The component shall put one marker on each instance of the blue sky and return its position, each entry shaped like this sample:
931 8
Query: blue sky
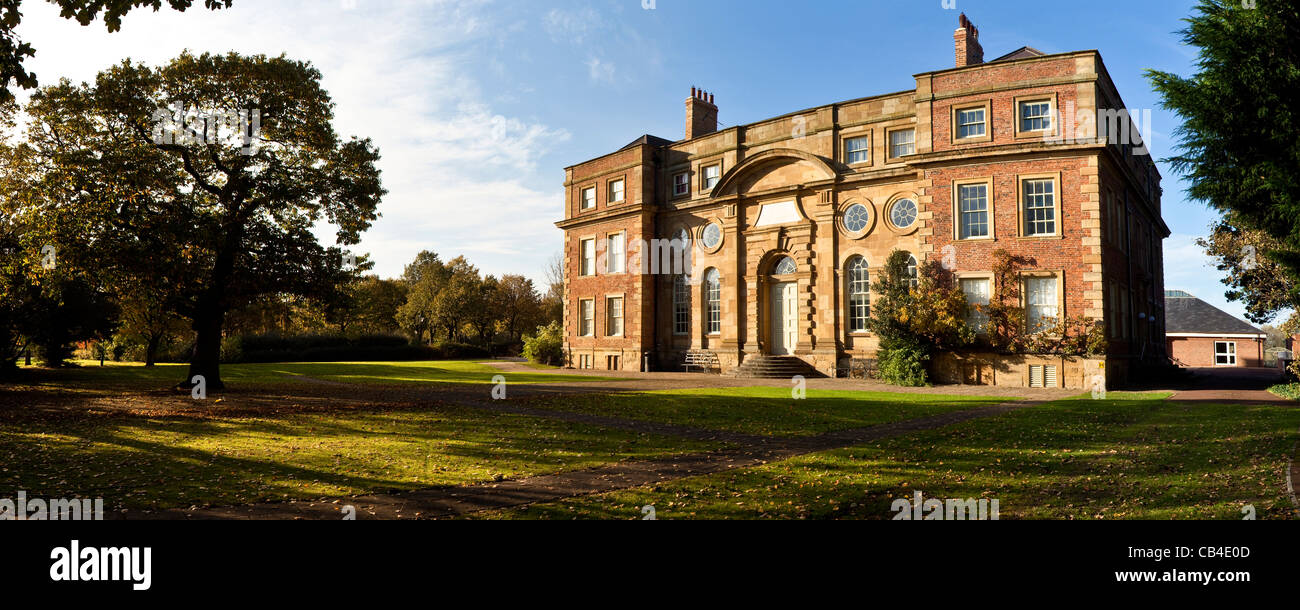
477 105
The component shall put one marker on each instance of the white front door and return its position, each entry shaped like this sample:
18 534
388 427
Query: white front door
784 318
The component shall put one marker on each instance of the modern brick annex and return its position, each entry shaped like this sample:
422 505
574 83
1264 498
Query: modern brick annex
788 219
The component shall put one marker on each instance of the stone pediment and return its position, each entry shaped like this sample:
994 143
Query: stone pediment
774 169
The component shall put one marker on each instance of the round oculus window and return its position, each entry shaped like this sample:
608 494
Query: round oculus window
856 218
712 236
903 213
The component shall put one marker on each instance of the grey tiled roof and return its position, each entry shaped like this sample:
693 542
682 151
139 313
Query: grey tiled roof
647 139
1191 315
1021 53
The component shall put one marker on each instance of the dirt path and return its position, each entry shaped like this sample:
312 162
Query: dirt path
648 382
460 500
1234 385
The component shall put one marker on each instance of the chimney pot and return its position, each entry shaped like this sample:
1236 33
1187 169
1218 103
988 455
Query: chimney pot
967 42
701 114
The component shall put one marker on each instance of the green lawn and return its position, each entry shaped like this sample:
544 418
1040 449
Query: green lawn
767 410
141 462
116 375
1132 456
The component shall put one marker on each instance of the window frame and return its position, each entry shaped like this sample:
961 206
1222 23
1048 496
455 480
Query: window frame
722 236
583 269
610 318
682 174
956 209
850 316
889 213
584 322
705 187
889 142
621 259
864 136
1022 216
872 216
986 276
913 270
582 198
955 127
681 305
1056 274
1230 354
609 190
1020 102
712 302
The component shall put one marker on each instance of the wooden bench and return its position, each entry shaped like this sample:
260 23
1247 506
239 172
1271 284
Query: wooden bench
703 359
857 368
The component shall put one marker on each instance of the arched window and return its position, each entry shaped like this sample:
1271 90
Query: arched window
681 305
712 302
913 279
859 291
785 266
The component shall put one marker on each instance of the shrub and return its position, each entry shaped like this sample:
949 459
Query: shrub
232 349
450 350
913 321
1290 391
547 346
904 361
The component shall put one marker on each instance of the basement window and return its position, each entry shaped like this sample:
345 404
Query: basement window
1043 376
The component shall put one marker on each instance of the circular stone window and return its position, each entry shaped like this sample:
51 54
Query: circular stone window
903 213
711 237
856 218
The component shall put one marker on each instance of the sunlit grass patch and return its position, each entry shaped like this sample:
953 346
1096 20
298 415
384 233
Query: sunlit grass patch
767 410
138 462
1131 456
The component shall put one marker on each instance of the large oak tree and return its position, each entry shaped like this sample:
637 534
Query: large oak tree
216 219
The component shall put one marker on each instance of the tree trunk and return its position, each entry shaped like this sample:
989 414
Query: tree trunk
210 315
206 360
151 350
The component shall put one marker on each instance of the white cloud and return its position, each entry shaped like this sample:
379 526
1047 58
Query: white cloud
572 25
462 178
600 70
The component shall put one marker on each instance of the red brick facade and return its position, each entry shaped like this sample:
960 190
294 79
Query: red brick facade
783 187
1213 351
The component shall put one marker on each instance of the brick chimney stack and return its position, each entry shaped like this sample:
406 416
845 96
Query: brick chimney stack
967 37
701 114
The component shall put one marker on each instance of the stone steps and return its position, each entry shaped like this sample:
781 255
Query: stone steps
774 367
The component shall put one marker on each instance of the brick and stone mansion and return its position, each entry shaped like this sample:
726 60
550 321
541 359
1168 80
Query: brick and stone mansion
786 220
